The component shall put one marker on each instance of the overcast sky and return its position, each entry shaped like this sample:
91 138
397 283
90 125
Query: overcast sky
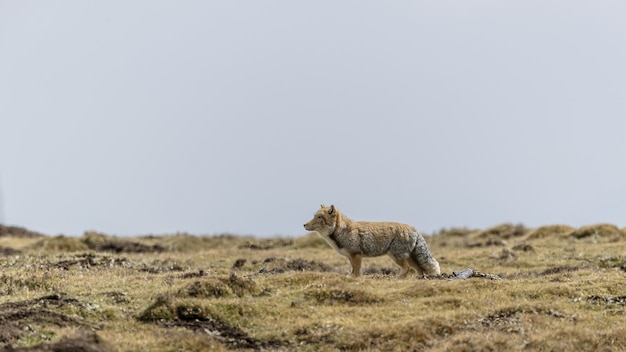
138 117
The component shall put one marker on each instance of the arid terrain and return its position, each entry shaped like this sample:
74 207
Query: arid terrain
553 288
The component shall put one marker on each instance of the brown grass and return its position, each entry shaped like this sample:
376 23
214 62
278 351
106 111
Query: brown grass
551 288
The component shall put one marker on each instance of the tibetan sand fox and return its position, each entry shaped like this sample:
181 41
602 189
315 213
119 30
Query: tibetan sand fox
358 239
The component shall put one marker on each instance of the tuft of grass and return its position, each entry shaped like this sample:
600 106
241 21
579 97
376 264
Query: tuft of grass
60 243
210 288
280 265
218 287
242 286
557 231
344 295
162 309
598 231
17 231
503 231
454 232
94 239
15 284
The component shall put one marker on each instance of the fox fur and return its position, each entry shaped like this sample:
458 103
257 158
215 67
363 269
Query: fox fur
358 239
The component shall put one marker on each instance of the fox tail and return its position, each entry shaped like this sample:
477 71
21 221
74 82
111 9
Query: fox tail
421 255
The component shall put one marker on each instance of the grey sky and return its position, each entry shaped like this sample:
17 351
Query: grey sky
135 117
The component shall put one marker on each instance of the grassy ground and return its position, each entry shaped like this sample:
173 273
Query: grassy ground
552 288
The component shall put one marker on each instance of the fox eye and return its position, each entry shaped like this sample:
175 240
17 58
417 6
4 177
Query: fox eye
319 216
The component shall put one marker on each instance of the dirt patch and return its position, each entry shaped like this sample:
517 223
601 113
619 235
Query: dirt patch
280 265
513 320
619 300
117 297
119 246
90 260
7 251
301 264
349 296
84 342
194 274
18 318
165 266
508 320
164 312
95 242
239 263
523 247
377 270
101 242
559 270
231 336
16 231
267 244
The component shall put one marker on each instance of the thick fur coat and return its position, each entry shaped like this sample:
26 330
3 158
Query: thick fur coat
358 239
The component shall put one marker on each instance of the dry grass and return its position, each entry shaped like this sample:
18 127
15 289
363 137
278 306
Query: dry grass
551 288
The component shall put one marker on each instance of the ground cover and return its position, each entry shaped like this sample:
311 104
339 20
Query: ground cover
550 288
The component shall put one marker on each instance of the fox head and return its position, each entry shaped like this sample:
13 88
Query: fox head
324 221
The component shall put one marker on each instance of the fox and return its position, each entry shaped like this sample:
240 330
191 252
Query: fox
357 239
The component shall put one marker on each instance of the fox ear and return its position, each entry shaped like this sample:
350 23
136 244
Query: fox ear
332 210
323 206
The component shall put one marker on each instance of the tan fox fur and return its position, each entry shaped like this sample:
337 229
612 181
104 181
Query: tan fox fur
358 239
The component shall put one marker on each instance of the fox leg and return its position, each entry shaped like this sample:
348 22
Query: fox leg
355 260
402 263
416 266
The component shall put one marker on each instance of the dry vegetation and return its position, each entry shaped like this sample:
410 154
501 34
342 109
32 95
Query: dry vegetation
551 288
